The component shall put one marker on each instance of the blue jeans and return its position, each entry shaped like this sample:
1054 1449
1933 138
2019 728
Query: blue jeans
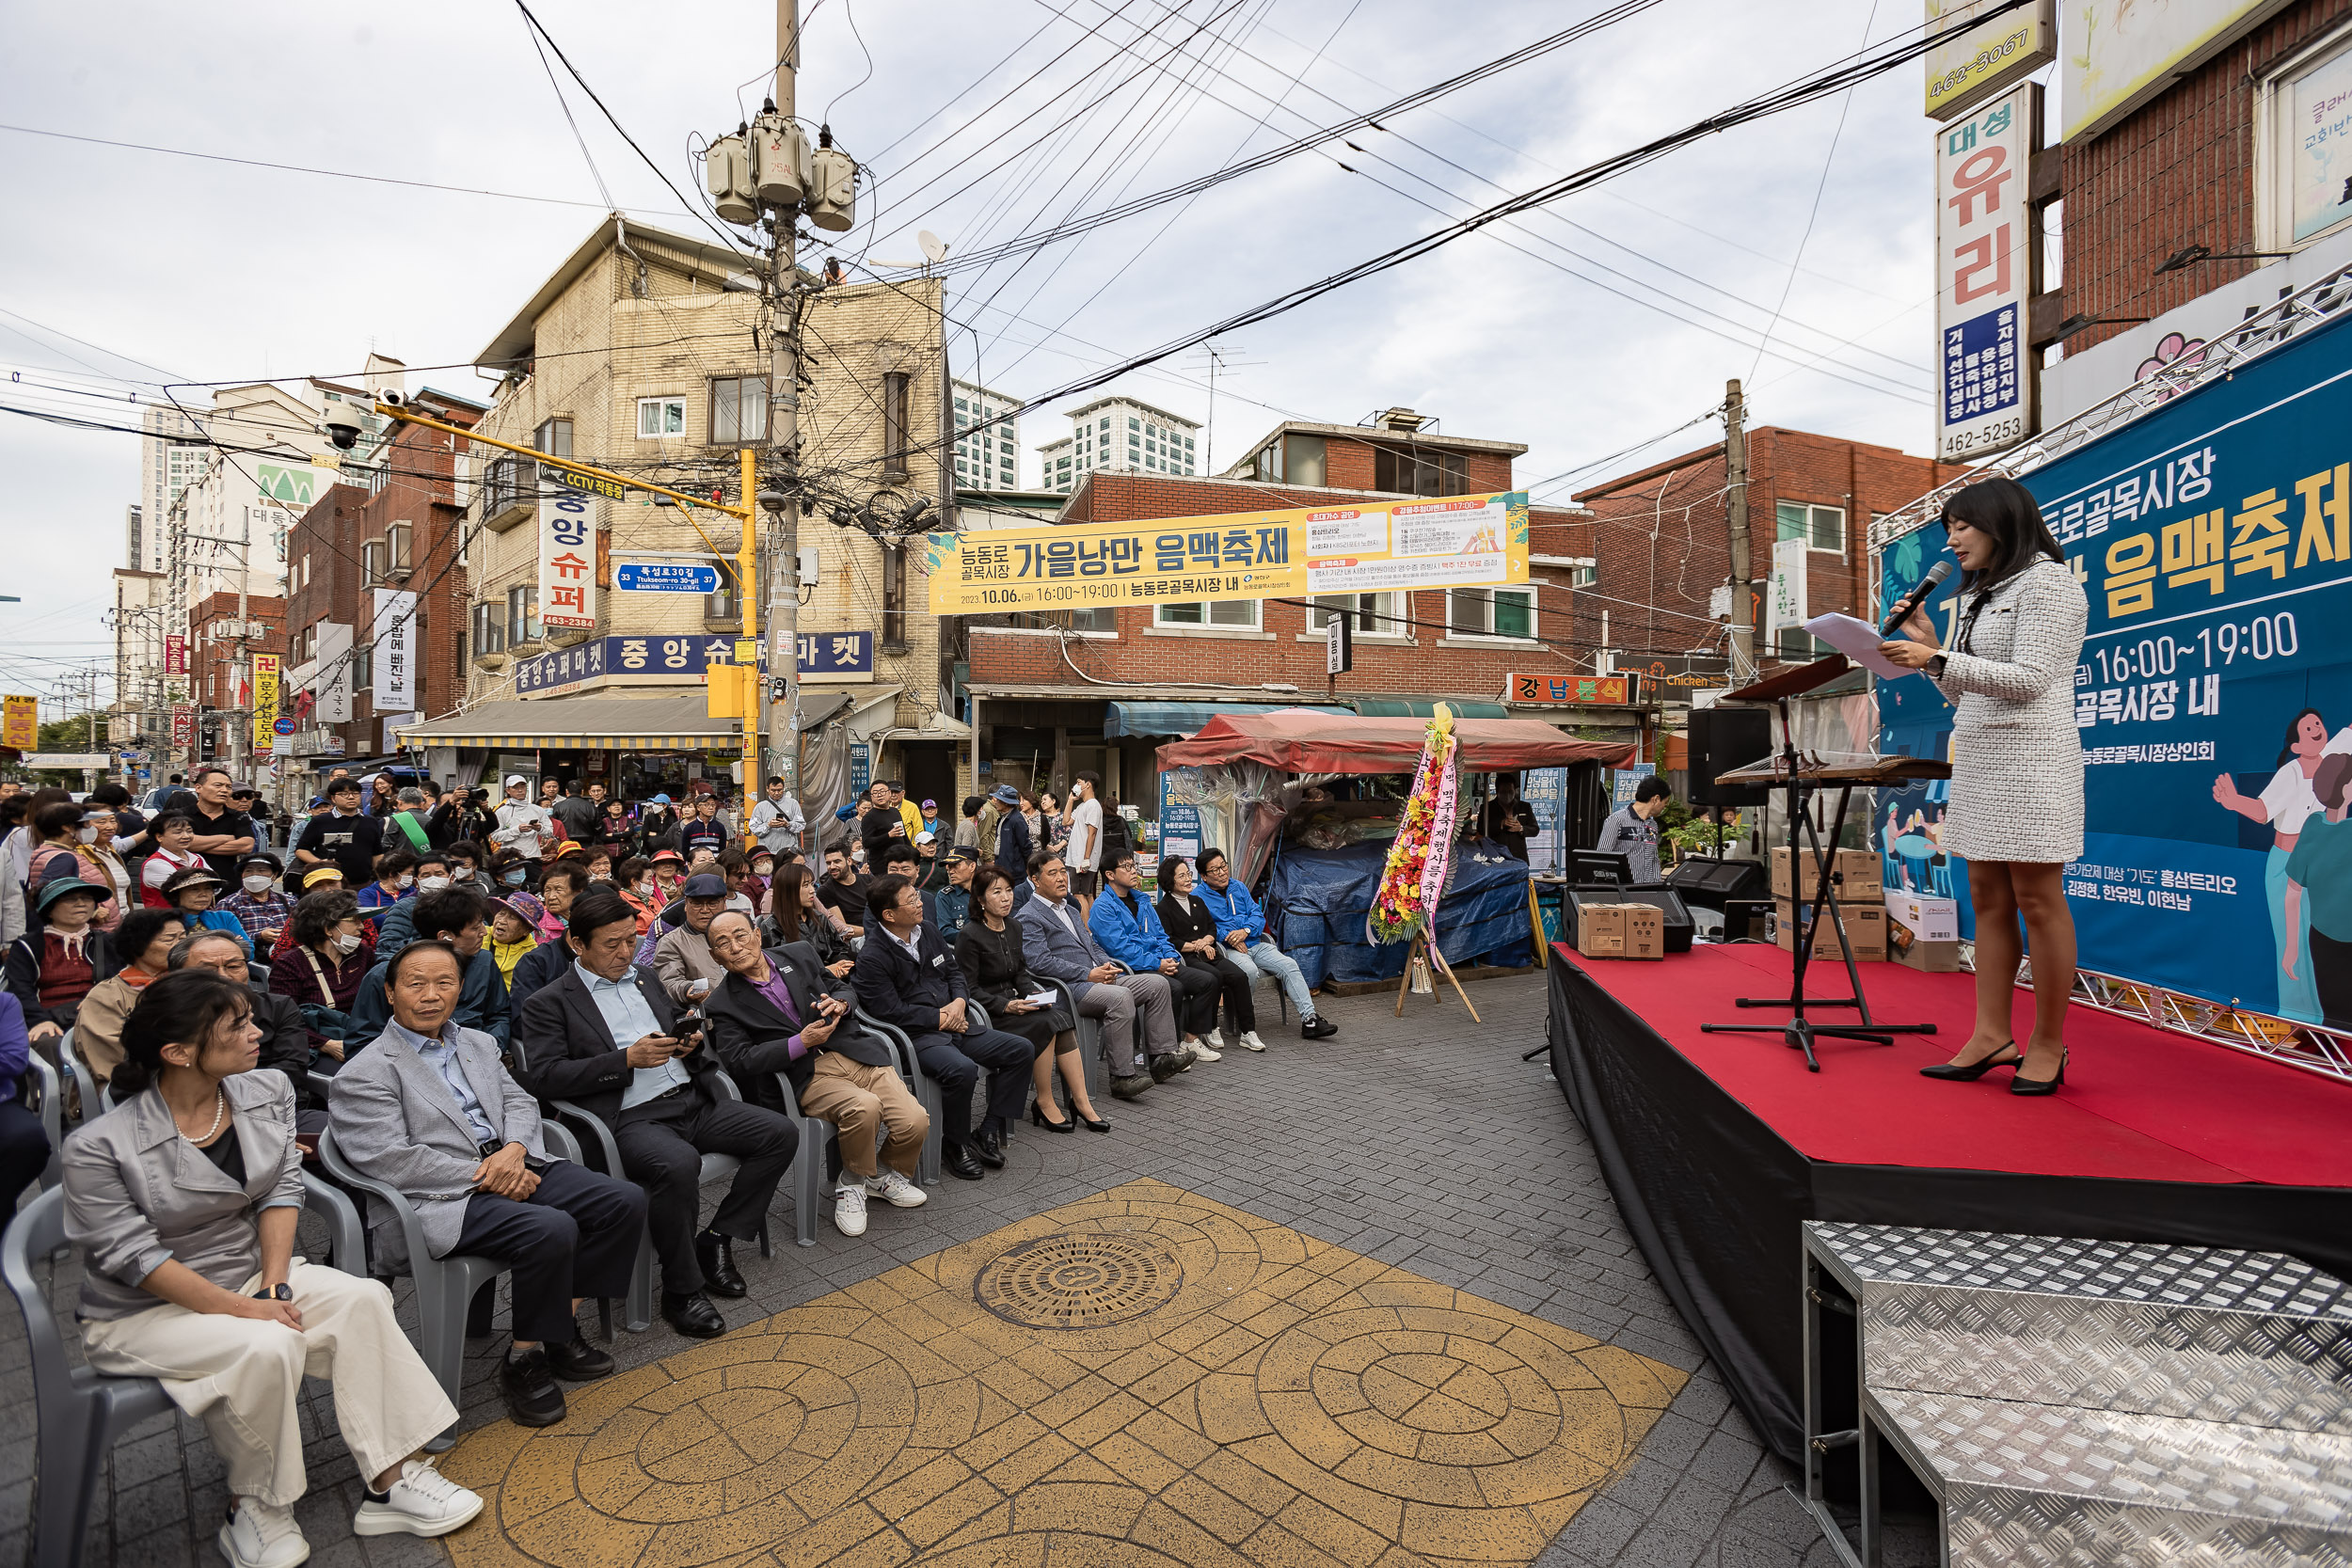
1270 960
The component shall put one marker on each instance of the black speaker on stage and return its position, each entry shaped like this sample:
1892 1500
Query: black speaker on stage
1711 884
1722 738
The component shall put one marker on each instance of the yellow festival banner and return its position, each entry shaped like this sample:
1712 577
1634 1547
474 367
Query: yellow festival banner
19 724
1453 542
265 695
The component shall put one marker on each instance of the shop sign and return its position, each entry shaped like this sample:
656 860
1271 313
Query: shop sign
265 696
1457 541
1623 782
1518 688
1679 672
841 653
1972 63
395 638
567 561
175 655
19 723
861 769
183 725
1988 254
836 653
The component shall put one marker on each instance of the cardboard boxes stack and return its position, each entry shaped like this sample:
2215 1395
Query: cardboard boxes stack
1923 933
1621 931
1861 902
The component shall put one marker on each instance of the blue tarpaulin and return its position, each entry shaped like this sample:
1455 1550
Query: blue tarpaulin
1324 895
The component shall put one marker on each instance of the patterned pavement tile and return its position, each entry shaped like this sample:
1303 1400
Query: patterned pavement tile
1144 1374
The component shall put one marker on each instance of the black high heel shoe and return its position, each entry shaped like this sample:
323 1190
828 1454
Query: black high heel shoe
1954 1074
1037 1114
2020 1084
1095 1124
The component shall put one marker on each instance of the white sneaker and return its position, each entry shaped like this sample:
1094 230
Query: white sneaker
1249 1040
896 1190
423 1501
849 1209
1203 1051
259 1536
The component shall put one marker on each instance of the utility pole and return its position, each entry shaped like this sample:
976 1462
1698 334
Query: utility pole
239 680
780 694
1735 479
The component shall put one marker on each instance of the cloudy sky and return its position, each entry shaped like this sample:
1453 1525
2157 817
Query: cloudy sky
1594 325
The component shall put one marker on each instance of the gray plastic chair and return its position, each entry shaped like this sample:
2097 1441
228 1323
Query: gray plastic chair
82 1412
1098 1071
84 1080
42 1078
926 1090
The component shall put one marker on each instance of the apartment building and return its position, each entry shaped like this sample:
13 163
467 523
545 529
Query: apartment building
988 454
1119 434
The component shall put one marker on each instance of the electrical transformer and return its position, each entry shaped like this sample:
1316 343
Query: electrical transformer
832 190
727 172
780 161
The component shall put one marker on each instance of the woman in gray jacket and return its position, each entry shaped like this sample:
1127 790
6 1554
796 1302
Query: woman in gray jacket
2016 812
184 1200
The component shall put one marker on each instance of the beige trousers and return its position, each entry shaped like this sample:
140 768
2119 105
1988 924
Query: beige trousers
853 1097
241 1377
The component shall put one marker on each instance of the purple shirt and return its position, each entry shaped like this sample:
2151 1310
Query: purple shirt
776 992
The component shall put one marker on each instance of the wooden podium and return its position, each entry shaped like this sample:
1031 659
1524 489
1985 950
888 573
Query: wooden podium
1801 778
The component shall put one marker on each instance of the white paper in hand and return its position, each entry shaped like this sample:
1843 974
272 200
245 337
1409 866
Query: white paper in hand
1858 641
1043 998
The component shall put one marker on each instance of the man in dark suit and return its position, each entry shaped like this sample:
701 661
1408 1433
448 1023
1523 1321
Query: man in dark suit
605 1035
906 978
778 1012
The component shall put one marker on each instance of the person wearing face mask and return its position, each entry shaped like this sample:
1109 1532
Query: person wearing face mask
258 905
332 955
395 926
635 886
396 880
101 862
524 825
514 934
465 865
191 894
59 827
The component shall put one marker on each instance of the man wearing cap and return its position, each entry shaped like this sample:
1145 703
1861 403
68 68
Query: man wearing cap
776 822
909 814
523 827
260 907
932 824
343 836
222 831
682 956
951 905
703 831
1014 846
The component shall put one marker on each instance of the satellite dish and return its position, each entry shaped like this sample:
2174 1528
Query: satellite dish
934 247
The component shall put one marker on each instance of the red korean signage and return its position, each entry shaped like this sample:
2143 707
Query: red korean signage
1615 691
184 724
175 655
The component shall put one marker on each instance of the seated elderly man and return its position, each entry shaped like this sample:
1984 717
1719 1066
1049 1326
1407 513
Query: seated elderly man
778 1012
681 954
457 917
1241 930
1137 1011
907 978
429 1109
605 1034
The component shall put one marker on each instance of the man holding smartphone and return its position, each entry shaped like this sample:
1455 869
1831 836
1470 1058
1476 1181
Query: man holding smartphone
606 1035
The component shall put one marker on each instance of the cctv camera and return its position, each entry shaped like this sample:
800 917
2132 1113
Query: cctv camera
343 425
391 397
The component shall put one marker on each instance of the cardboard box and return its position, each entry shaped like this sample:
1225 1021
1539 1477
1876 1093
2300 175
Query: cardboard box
1600 930
1928 958
1865 924
1858 873
1925 919
1644 931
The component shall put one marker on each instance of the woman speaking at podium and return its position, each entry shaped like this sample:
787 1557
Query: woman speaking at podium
2016 812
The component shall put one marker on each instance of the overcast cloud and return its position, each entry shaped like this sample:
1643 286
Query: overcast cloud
172 268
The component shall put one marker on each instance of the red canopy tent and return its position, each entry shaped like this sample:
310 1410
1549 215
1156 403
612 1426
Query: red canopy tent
1301 740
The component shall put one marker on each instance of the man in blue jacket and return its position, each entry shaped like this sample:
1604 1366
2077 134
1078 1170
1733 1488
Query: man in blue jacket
1124 922
1241 927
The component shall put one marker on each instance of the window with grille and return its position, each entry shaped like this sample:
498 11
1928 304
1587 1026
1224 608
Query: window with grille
739 410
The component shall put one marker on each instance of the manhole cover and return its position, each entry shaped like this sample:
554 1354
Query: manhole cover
1079 1279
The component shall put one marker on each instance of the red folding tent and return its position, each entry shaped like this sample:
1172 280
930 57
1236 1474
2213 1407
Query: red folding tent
1301 740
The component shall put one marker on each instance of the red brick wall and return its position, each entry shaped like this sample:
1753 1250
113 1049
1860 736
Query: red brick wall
2180 171
1347 465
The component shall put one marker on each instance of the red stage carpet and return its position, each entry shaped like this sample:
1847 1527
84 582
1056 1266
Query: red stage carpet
2139 1104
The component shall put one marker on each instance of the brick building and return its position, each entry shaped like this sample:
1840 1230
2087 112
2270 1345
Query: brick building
223 699
1663 536
405 535
1054 694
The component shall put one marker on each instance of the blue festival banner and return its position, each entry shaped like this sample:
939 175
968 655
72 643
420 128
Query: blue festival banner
2213 538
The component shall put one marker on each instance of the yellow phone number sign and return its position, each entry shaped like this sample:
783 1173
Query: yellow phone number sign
1453 542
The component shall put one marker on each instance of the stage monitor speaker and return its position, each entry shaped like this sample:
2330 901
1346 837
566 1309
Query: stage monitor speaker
1711 884
1747 919
1722 738
1681 928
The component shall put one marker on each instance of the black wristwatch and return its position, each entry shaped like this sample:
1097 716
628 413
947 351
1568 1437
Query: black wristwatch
1936 668
274 1293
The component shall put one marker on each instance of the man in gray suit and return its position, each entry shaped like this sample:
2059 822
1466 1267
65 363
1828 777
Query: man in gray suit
1056 942
430 1109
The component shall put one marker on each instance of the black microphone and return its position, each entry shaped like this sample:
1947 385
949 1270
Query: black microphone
1918 596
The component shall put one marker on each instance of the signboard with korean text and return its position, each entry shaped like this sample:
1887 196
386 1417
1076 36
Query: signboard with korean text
2120 54
2318 172
665 577
1997 53
332 684
183 725
835 654
1784 594
1988 249
1457 541
1545 790
19 723
265 698
175 655
394 631
2212 538
1521 687
861 769
1623 780
567 561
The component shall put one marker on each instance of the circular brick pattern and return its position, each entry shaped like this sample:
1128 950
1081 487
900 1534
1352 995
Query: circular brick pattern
1079 1279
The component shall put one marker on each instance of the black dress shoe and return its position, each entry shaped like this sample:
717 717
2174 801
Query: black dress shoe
1316 1028
692 1315
716 1254
578 1360
989 1147
957 1161
531 1397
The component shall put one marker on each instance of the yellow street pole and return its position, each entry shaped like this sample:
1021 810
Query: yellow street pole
746 595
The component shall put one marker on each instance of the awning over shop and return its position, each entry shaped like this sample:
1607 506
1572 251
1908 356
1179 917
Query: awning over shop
1301 741
1132 718
673 722
1393 707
